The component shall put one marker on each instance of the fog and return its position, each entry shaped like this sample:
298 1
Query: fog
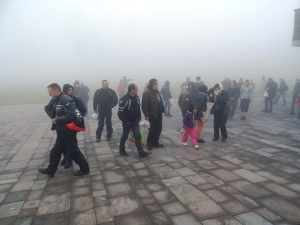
50 41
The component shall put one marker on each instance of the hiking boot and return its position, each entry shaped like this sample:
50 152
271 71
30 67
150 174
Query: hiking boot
158 145
81 172
144 154
123 153
46 171
63 162
215 139
68 164
98 139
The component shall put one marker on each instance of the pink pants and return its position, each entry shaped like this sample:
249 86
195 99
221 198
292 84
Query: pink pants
199 128
189 131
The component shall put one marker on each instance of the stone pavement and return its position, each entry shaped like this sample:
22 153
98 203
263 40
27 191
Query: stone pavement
252 178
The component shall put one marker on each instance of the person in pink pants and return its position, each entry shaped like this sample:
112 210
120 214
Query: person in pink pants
189 120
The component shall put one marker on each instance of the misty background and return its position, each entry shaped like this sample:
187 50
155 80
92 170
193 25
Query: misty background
43 42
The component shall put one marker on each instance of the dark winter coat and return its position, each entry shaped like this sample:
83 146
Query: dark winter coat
152 105
283 87
234 92
78 102
165 92
272 88
104 100
129 109
184 101
201 103
63 108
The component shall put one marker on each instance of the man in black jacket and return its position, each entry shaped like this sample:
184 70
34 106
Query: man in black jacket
104 100
61 110
271 88
69 90
130 115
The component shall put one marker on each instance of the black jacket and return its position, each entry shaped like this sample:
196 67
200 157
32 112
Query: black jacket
220 103
283 87
184 101
129 109
272 88
104 100
79 105
165 92
234 92
62 107
201 103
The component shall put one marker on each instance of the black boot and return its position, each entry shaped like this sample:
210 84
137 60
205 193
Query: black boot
47 171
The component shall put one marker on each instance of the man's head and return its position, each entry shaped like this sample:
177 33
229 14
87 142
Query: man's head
281 80
105 84
233 83
270 80
153 84
68 89
54 90
132 89
184 90
246 83
241 80
198 78
188 79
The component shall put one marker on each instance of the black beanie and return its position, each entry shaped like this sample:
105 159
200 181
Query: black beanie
66 88
203 88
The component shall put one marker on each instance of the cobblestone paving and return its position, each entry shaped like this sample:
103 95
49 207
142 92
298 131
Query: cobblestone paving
252 178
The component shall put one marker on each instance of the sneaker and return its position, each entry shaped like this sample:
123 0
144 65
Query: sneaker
123 153
144 154
68 165
46 171
184 143
200 141
81 173
182 130
196 146
98 139
63 162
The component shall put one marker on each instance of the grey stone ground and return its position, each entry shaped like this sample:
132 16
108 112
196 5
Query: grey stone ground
252 178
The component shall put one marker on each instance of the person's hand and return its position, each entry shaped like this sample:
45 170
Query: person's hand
53 120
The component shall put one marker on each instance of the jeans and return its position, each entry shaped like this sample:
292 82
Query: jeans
220 120
154 130
167 106
106 115
66 139
134 126
245 105
283 97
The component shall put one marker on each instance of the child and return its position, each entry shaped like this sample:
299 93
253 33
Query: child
190 123
184 100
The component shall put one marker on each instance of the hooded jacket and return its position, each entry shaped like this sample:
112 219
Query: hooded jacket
78 102
189 118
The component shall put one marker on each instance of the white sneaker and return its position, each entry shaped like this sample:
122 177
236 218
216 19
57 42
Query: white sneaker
182 130
184 143
196 146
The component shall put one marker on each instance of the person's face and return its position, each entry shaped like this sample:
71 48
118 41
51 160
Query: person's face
232 84
70 91
241 80
155 86
184 91
194 110
135 90
105 85
53 93
246 83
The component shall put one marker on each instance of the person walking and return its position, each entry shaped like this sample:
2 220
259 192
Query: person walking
246 97
130 114
167 96
283 87
80 108
189 121
153 109
104 100
201 103
61 109
270 89
234 95
219 110
185 99
84 94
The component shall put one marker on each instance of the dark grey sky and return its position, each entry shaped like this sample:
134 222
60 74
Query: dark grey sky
60 41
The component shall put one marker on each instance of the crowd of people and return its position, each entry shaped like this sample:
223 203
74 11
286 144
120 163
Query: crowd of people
67 103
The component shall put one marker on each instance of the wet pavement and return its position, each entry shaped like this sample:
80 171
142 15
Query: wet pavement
252 178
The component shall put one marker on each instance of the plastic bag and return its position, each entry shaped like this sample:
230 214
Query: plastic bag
95 116
266 94
171 101
143 139
145 123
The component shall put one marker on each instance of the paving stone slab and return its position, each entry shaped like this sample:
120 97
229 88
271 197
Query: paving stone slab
185 218
250 189
251 218
124 205
249 175
164 196
10 209
217 195
87 217
54 204
223 220
164 172
160 218
174 208
267 214
119 189
279 190
104 214
136 218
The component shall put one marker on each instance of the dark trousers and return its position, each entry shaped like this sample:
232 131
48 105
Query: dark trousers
154 131
232 104
167 106
134 126
245 105
269 102
283 97
67 156
66 139
220 120
107 117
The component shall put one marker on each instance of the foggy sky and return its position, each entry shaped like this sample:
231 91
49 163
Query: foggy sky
61 41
